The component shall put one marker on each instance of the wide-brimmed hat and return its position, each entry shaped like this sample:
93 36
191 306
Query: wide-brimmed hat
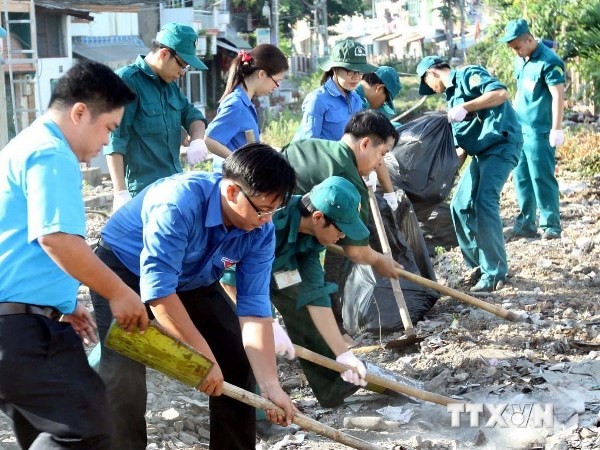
514 29
389 77
182 39
339 200
348 54
425 64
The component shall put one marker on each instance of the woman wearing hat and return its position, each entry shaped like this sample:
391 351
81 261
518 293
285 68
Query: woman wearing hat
252 74
327 109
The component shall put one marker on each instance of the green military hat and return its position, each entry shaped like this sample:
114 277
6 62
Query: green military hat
348 54
182 39
389 77
514 29
425 64
339 200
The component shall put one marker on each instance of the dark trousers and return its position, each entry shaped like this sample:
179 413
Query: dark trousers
54 398
232 424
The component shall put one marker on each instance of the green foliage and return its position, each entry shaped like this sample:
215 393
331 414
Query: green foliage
580 151
281 131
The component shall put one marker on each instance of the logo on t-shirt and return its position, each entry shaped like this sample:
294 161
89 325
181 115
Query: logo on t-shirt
227 263
474 81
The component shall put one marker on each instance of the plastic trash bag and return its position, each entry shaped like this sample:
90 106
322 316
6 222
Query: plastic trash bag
368 299
424 161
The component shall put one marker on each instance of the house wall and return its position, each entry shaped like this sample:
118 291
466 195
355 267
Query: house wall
107 24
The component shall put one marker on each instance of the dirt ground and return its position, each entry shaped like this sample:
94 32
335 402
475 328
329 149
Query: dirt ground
536 381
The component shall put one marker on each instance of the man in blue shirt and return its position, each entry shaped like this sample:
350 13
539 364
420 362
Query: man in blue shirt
539 104
486 127
47 388
173 242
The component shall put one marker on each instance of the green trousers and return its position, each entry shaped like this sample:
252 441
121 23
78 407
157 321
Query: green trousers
536 185
327 385
475 210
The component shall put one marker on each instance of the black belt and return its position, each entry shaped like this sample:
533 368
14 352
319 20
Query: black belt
102 243
7 308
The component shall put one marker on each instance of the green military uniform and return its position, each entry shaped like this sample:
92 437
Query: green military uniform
534 179
301 251
314 160
149 136
493 139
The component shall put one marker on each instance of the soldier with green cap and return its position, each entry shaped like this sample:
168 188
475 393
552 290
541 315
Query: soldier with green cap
539 103
485 126
145 147
327 109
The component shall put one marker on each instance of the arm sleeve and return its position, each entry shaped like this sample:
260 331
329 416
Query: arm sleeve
312 118
478 81
119 138
226 124
554 74
53 190
253 275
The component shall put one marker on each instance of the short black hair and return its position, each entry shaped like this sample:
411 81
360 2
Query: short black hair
371 123
94 84
259 169
372 79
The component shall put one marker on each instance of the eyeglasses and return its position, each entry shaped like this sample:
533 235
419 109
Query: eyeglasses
353 73
274 81
258 211
341 233
182 65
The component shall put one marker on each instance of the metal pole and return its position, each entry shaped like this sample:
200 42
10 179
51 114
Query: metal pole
275 22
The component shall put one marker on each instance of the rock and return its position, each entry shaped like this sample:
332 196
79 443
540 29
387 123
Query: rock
186 438
569 313
366 423
586 433
584 243
170 414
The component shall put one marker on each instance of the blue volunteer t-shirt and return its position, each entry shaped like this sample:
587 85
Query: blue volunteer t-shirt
172 235
40 194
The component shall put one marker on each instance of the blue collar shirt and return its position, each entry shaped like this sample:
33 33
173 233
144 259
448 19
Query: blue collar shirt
326 111
172 235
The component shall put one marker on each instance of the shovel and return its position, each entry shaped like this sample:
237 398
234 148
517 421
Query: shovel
160 351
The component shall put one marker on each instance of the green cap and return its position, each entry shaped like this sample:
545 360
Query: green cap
339 200
182 39
425 64
389 77
348 54
514 29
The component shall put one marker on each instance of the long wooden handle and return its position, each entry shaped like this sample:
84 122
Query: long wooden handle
250 138
461 296
321 360
305 422
409 330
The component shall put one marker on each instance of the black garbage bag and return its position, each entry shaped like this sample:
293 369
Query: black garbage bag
368 299
437 227
424 161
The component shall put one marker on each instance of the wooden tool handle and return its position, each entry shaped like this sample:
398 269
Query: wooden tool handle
409 329
321 360
250 138
305 422
461 296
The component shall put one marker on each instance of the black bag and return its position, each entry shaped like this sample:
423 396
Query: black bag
369 303
424 161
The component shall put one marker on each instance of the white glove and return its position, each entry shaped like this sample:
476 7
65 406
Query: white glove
197 151
391 199
372 180
120 198
283 344
351 376
457 114
557 138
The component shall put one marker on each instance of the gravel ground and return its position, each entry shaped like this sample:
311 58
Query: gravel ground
468 354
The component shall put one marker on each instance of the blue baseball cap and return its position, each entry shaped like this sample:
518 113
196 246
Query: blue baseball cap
422 68
514 29
389 77
339 200
182 39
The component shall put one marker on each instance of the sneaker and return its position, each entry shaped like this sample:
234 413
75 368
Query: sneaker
551 234
266 429
486 286
517 233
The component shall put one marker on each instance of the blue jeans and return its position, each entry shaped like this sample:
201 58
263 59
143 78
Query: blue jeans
475 210
536 185
232 423
54 398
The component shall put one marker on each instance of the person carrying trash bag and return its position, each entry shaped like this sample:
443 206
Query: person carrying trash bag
485 125
328 213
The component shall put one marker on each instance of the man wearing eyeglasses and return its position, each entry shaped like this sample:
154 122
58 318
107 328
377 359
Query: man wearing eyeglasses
172 243
146 146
